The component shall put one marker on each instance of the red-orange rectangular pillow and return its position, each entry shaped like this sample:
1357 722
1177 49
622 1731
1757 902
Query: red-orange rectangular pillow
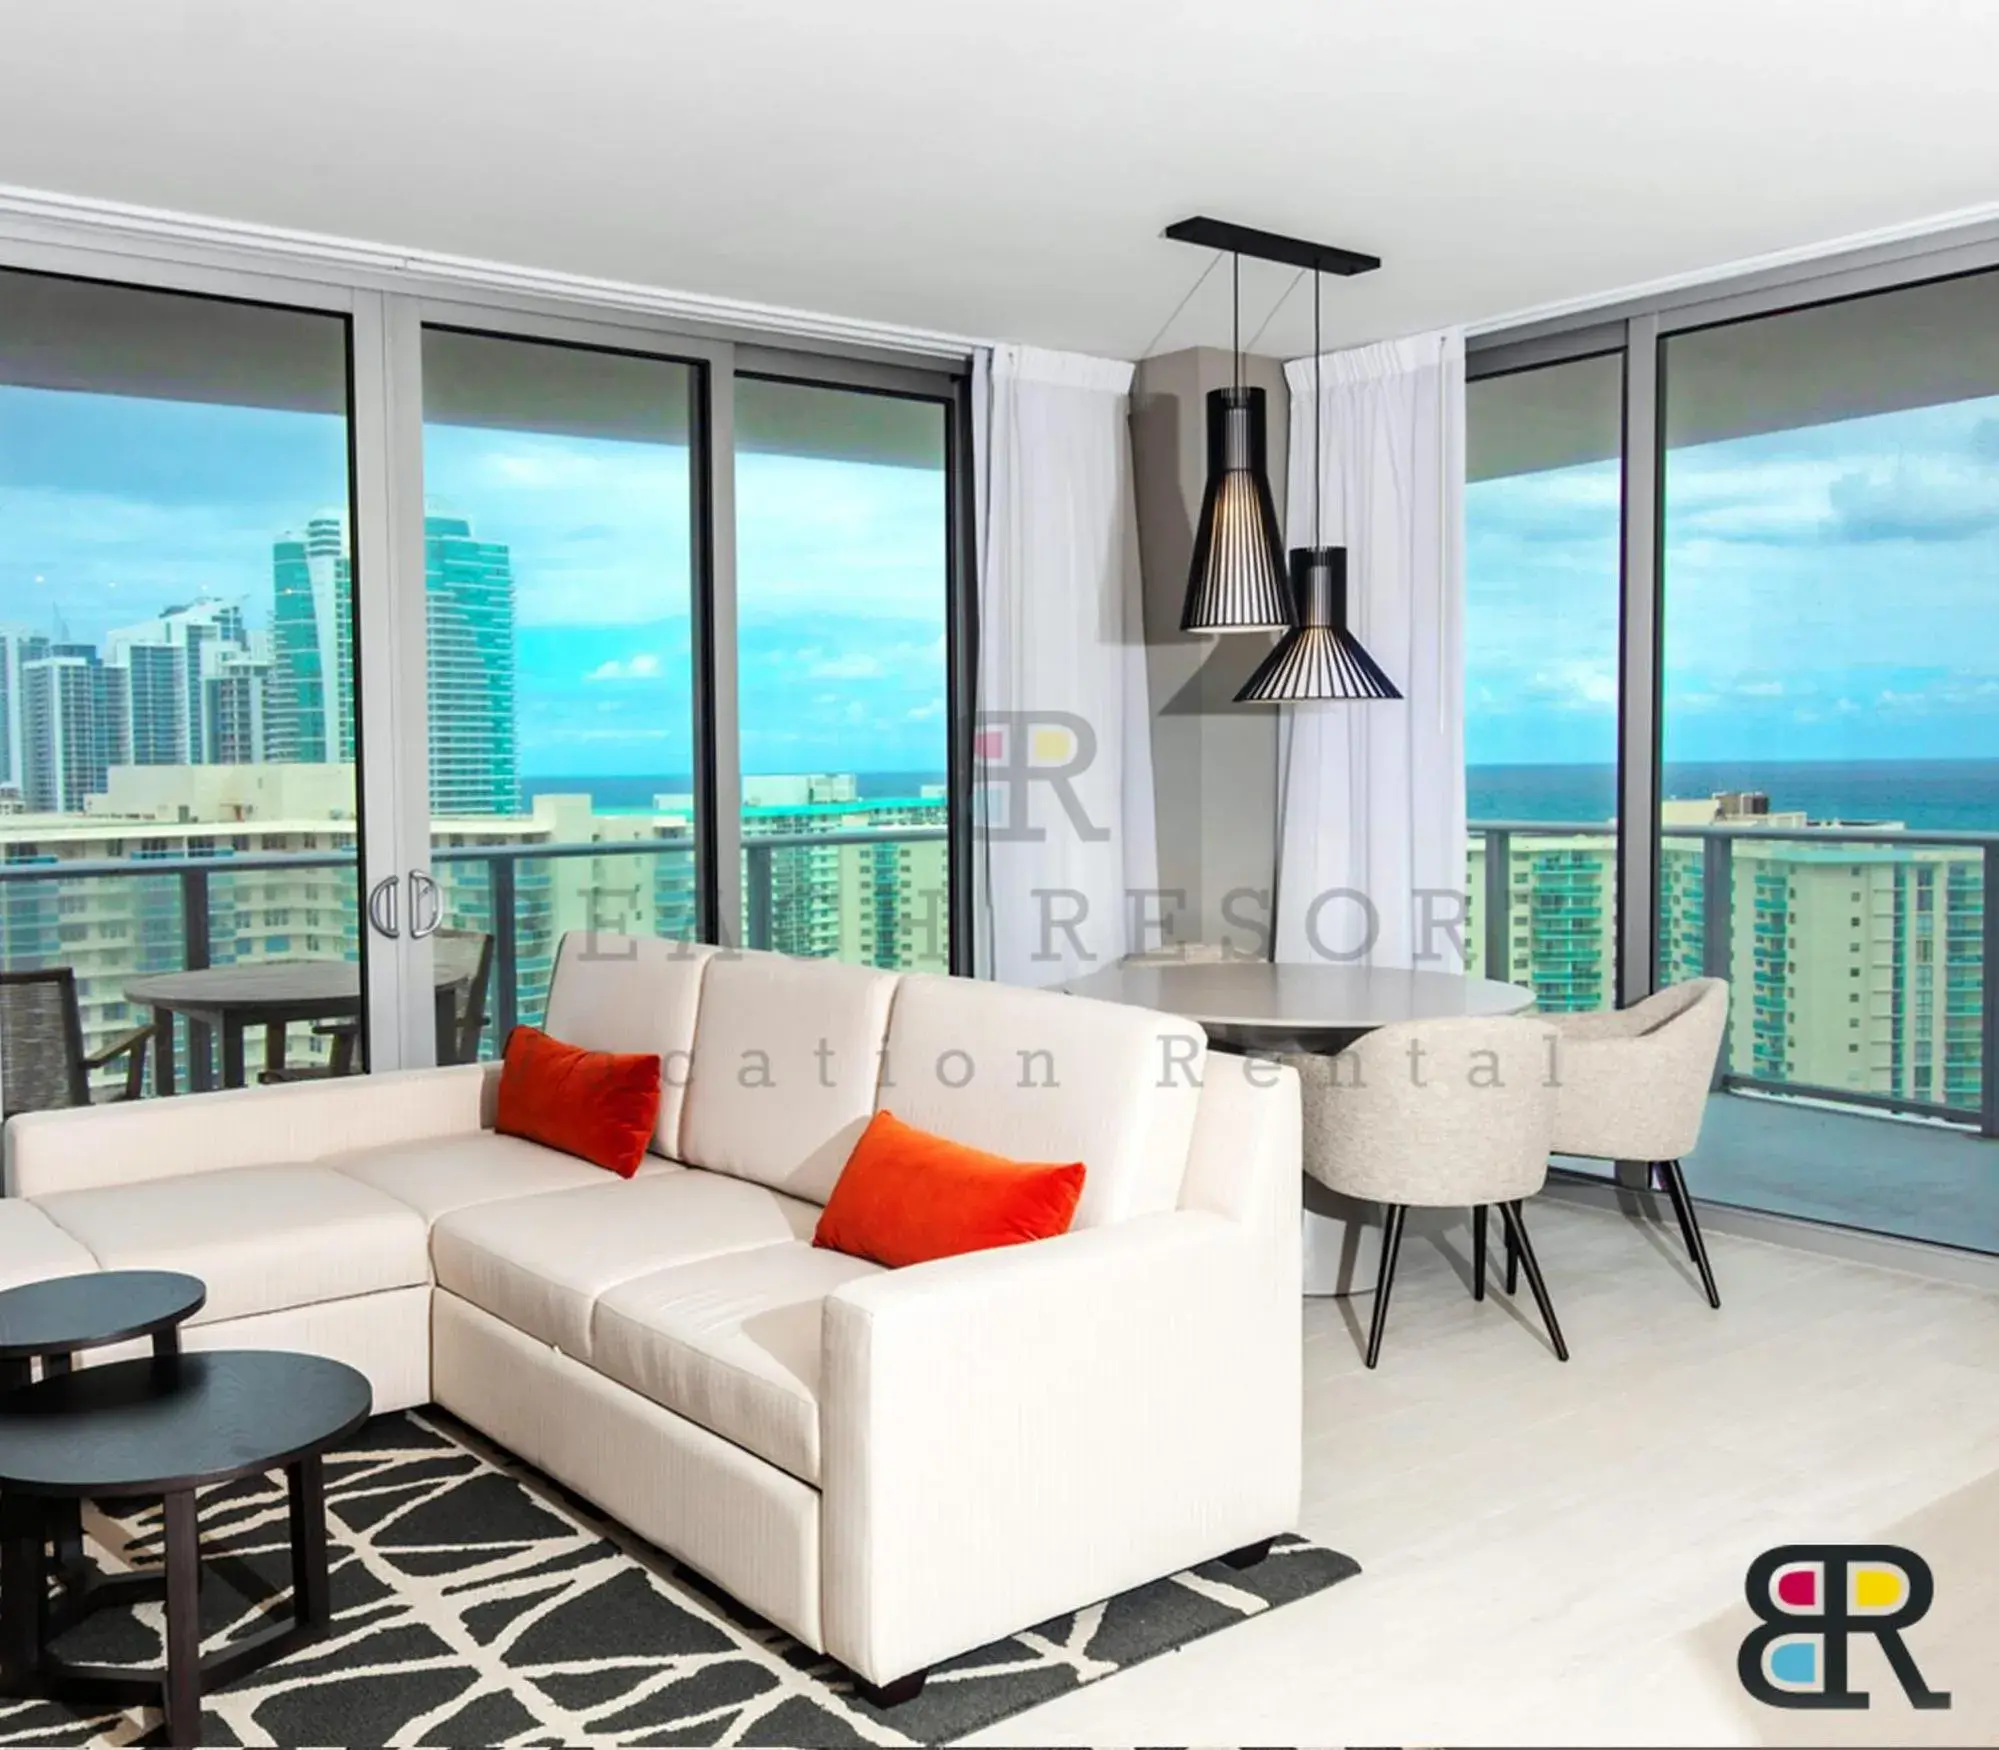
599 1105
906 1196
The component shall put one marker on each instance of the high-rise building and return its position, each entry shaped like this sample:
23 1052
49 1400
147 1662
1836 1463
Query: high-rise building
170 666
469 596
63 745
16 647
309 712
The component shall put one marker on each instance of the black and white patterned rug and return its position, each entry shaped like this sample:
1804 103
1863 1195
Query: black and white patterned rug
477 1603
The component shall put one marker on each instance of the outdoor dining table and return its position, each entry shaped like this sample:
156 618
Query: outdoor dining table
229 1000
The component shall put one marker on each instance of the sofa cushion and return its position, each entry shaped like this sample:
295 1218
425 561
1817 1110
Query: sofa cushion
731 1343
631 993
786 1055
540 1263
600 1106
1037 1076
262 1238
908 1197
33 1248
444 1173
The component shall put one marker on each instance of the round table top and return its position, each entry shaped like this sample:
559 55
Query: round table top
174 1422
266 984
1306 998
67 1313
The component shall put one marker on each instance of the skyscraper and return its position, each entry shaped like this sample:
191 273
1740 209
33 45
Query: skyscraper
469 593
310 709
62 746
16 647
172 667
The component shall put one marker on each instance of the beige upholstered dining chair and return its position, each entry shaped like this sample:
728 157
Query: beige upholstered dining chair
1634 1087
1455 1114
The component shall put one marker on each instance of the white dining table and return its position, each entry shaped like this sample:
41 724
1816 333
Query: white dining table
1257 998
1254 1005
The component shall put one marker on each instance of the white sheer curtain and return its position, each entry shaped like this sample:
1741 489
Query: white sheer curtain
1371 797
1063 764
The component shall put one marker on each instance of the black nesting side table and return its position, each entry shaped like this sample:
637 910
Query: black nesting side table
166 1426
49 1322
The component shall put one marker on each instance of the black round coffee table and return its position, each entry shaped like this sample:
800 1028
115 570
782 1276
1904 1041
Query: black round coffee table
50 1321
166 1426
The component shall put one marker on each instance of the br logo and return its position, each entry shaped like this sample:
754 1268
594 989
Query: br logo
1811 1598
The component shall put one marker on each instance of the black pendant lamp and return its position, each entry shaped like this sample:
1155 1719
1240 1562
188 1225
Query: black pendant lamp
1318 658
1236 582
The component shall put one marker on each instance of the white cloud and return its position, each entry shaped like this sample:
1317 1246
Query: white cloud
642 666
852 665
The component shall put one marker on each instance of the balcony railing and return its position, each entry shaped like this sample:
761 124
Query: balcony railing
1962 1007
169 922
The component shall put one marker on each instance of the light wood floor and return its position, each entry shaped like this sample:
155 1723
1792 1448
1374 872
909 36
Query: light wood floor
1554 1554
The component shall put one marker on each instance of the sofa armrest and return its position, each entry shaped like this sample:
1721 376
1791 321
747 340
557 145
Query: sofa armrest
1015 1433
81 1148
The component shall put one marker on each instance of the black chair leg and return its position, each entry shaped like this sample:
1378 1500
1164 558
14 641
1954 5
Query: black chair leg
1512 1255
1516 1234
1391 1246
1478 1253
1690 1227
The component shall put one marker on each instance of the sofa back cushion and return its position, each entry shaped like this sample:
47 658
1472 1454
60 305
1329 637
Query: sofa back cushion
786 1056
1037 1076
631 994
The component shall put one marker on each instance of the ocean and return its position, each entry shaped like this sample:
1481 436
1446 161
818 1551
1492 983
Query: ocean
1924 795
633 795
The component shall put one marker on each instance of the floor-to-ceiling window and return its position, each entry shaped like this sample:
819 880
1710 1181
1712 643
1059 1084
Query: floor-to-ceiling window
559 560
1829 740
1732 561
549 623
1542 534
844 587
177 684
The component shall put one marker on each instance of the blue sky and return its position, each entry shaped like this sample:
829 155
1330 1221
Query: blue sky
112 508
1832 593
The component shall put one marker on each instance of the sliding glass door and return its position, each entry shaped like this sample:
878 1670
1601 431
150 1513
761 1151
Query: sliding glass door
559 564
1542 569
1732 562
356 645
843 541
1829 738
179 814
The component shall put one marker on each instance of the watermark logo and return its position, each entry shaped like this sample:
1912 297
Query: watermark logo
1812 1598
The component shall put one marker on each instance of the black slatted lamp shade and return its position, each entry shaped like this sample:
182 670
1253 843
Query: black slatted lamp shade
1236 580
1319 658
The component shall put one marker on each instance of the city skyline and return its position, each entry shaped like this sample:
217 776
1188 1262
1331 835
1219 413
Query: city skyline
116 507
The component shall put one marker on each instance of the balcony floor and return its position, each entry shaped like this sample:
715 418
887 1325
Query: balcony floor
1917 1180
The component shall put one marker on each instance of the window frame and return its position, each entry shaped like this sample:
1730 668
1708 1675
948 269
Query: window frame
386 302
1638 327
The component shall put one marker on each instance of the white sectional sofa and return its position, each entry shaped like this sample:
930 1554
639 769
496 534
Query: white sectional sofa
892 1465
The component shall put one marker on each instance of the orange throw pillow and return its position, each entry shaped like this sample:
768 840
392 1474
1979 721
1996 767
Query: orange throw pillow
906 1196
600 1105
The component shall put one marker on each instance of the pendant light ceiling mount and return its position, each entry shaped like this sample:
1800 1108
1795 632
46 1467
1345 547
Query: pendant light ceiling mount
1235 582
1219 234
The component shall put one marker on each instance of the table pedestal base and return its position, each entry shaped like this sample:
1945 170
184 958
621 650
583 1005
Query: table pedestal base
30 1619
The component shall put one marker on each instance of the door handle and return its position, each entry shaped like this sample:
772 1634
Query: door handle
423 923
382 905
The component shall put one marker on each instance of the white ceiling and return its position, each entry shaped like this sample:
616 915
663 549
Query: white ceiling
1004 170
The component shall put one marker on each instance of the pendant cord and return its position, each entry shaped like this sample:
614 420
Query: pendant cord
1235 319
1318 414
